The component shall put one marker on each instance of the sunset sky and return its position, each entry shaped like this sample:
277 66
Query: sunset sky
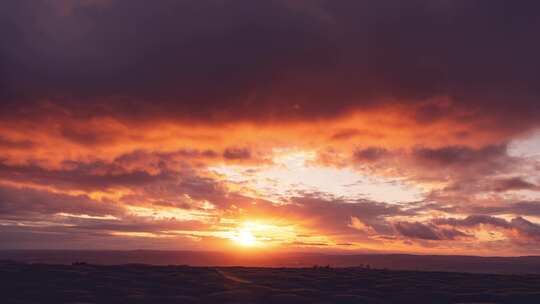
323 126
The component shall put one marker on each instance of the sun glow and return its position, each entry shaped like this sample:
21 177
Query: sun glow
268 234
245 238
294 172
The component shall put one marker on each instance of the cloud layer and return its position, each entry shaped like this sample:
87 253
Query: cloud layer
171 124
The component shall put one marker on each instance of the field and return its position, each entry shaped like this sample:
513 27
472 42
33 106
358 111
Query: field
136 283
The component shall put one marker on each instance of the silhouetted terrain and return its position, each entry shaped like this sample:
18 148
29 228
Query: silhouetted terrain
500 265
83 283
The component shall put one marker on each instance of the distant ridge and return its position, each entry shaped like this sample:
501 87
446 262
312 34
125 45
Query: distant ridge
472 264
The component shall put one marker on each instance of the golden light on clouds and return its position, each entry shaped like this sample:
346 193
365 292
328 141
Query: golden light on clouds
293 171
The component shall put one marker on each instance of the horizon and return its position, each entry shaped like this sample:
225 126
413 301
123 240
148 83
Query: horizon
274 127
522 265
240 253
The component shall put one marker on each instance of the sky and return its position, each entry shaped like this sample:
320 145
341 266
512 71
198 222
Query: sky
321 126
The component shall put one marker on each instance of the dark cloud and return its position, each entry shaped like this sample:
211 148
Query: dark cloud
417 230
482 212
431 112
237 153
272 59
134 224
460 155
515 183
453 159
309 244
482 181
335 214
134 169
15 144
531 208
60 237
25 203
519 228
351 133
163 160
465 170
474 220
87 137
526 228
87 176
370 154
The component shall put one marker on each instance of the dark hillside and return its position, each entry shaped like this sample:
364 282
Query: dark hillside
84 283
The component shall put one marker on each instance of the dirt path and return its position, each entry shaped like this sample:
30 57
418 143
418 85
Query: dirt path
233 278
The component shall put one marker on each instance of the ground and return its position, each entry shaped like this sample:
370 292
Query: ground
83 283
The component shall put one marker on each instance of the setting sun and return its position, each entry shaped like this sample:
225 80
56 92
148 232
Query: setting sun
245 238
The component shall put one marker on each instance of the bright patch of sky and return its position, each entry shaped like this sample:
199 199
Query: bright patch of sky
526 147
295 173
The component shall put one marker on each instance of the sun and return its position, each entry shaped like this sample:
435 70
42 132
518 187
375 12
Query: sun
263 233
246 238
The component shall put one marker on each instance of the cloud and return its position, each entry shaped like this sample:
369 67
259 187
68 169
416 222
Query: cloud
335 214
459 155
134 169
463 169
417 230
15 144
25 203
85 176
237 153
370 154
107 106
357 224
87 137
515 183
474 220
521 208
319 60
525 228
518 229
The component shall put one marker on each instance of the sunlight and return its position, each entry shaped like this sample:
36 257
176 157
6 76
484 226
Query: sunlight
254 233
296 172
245 238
